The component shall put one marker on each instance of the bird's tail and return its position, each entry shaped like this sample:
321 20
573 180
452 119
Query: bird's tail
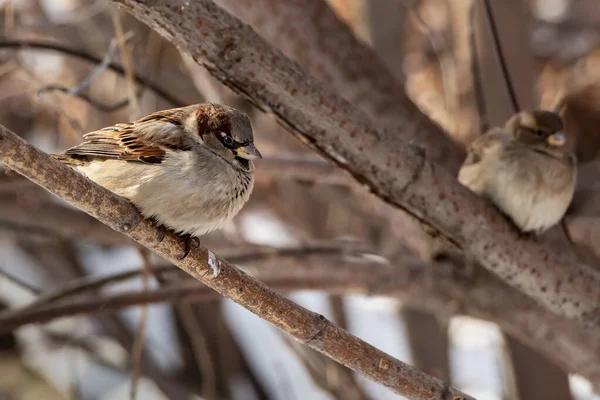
68 160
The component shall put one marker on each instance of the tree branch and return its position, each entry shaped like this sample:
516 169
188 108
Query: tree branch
395 169
301 167
436 287
27 45
90 283
327 49
305 326
50 217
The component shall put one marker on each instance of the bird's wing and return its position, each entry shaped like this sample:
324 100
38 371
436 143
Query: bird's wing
145 140
494 140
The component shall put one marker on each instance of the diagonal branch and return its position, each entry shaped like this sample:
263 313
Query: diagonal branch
28 45
395 169
311 34
305 326
437 288
253 254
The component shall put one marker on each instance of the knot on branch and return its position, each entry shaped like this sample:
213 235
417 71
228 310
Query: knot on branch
320 324
231 52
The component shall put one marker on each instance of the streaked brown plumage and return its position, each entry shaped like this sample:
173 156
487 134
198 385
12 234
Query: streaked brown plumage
189 168
525 169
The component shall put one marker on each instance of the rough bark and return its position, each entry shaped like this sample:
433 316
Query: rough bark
307 327
311 34
395 169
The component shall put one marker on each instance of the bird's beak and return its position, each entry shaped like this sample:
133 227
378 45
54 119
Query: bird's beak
249 152
557 139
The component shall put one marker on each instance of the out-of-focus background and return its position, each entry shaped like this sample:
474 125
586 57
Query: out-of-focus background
305 223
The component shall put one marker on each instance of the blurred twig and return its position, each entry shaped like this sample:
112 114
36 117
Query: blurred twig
140 335
134 111
254 254
9 17
301 167
28 45
446 63
85 83
19 282
93 102
49 218
200 348
500 56
484 124
185 291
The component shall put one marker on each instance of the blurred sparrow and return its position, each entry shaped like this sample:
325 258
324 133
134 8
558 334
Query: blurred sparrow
525 169
188 168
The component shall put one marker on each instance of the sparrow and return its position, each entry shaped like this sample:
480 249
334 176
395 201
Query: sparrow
524 168
187 168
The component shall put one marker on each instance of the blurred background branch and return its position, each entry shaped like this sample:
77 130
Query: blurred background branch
389 59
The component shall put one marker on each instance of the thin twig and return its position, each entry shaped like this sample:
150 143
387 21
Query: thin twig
27 45
376 282
134 111
10 320
137 351
200 348
87 81
107 108
49 218
9 17
301 167
254 254
447 64
76 127
484 124
501 58
196 340
20 282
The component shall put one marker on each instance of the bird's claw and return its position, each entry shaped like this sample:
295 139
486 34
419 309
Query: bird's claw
188 242
529 235
162 231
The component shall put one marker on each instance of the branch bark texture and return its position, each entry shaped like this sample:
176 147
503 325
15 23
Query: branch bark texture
394 168
305 326
310 33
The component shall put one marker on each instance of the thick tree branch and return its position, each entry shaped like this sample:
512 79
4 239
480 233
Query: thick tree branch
305 326
311 34
395 169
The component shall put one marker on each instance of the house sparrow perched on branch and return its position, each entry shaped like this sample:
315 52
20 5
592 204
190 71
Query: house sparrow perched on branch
188 168
525 169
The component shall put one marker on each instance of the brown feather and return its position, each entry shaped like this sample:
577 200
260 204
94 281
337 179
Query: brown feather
145 140
480 147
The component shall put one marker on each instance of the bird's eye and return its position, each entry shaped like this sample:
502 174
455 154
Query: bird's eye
228 141
539 132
